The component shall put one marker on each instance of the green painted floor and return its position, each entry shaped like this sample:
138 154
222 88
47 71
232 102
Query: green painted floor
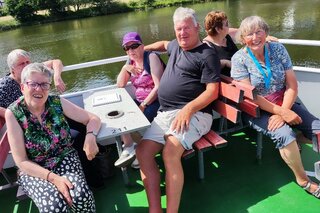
234 182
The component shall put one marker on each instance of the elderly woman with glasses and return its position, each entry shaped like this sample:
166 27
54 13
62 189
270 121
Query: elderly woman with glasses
39 135
268 67
144 69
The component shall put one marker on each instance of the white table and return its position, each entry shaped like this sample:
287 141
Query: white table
131 120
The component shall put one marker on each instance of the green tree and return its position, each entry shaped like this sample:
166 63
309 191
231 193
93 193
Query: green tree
55 7
77 4
22 10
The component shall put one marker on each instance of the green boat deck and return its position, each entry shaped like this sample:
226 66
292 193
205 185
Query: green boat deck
234 182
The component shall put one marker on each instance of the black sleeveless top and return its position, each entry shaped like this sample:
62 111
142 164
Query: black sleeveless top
225 52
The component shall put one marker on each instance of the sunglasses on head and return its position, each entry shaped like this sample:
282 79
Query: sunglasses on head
132 46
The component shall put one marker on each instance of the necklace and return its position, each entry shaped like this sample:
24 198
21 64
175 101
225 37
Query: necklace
266 75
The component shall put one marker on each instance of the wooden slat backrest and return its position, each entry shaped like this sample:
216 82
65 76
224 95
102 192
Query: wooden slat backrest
231 92
250 108
249 90
246 105
4 144
227 111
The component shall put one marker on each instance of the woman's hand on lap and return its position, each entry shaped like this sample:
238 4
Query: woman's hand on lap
63 185
290 117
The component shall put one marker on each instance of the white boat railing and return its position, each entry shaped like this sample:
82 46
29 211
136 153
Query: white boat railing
300 42
95 63
124 58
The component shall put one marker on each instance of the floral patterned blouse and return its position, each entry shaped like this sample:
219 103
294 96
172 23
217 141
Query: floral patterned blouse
46 143
243 67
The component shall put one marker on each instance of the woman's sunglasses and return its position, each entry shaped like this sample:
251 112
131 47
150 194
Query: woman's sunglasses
132 46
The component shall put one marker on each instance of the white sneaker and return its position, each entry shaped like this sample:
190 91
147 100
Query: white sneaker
135 164
127 156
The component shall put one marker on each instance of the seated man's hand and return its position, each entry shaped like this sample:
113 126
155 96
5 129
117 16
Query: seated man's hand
182 120
272 38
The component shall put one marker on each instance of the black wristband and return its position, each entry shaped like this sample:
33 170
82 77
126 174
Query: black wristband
92 132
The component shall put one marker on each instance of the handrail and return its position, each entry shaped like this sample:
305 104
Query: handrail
95 63
300 42
124 58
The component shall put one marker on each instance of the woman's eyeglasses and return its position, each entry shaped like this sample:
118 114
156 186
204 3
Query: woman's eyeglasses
258 33
132 46
35 85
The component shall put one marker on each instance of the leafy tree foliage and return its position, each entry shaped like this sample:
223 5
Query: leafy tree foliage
22 10
77 4
55 7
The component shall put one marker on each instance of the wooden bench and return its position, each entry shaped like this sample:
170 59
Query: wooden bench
234 98
4 150
245 106
252 109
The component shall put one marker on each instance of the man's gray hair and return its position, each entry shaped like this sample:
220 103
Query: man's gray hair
35 68
250 25
14 56
183 13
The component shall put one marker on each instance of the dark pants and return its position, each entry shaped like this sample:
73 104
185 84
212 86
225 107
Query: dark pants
90 168
46 195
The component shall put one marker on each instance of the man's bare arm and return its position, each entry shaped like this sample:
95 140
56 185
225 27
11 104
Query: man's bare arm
157 46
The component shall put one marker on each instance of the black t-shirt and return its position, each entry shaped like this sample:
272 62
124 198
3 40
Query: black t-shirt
186 75
225 52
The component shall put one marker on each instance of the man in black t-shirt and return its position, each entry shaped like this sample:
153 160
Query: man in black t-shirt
188 86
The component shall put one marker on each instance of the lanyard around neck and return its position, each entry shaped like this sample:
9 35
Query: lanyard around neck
266 76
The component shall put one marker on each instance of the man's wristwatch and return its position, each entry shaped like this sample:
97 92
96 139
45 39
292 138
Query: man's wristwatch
144 104
92 132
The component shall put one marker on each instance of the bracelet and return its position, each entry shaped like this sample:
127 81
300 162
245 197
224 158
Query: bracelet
48 175
92 132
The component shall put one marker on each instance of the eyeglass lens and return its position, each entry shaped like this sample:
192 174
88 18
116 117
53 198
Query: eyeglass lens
35 85
257 33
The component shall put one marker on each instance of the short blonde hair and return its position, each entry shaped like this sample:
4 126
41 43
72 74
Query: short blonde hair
249 25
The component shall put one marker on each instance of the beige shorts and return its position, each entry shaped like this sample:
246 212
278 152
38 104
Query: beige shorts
200 124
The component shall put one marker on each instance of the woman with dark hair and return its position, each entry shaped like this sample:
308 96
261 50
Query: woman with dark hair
221 38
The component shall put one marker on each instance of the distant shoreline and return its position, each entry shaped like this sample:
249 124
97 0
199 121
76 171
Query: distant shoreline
120 6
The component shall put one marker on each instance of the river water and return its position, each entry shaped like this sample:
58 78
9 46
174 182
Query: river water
96 38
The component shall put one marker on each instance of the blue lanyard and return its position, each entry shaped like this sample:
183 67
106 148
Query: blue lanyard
266 76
